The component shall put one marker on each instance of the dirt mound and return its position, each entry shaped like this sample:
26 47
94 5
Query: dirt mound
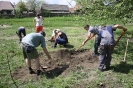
63 61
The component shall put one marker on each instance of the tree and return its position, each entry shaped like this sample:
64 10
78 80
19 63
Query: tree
20 8
107 9
34 5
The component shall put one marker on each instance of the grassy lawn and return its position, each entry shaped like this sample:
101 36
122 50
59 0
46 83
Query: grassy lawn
118 77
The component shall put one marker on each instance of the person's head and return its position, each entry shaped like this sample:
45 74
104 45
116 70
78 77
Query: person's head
56 31
86 27
42 33
38 15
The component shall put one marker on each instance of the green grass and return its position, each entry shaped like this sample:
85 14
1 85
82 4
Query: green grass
119 77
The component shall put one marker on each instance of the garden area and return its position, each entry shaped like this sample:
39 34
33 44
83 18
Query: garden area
68 67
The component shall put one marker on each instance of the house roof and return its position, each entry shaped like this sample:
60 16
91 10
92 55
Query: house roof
6 5
71 9
55 7
77 7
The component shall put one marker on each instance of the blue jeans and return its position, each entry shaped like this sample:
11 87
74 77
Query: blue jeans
59 41
96 44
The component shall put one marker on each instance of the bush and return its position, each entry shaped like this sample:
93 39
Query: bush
18 14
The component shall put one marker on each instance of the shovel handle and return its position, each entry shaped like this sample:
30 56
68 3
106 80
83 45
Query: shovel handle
79 47
126 50
123 32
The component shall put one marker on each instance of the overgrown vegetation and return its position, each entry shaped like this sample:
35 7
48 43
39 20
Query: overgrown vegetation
107 9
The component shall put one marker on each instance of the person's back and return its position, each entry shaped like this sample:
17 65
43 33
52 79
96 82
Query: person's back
29 44
21 30
107 37
64 36
34 39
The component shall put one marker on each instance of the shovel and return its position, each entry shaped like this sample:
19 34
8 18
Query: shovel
124 59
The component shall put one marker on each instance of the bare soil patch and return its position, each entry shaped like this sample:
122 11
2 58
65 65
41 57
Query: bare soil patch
62 63
5 26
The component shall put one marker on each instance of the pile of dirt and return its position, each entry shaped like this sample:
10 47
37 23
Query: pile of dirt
62 63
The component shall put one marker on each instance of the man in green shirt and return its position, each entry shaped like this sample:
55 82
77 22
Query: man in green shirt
29 44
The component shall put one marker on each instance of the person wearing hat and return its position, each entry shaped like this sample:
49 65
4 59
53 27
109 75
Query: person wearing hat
61 38
29 44
38 22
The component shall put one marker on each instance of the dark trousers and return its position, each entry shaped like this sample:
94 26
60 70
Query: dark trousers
97 44
21 31
105 56
59 41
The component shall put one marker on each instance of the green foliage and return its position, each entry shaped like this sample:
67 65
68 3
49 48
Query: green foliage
18 14
121 9
21 6
46 13
34 5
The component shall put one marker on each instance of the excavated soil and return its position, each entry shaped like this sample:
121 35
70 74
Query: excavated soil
63 61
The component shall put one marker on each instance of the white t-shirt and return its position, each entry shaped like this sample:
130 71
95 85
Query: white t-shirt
38 21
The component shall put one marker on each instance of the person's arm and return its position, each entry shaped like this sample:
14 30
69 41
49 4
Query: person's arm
34 23
42 20
47 53
58 35
90 35
119 27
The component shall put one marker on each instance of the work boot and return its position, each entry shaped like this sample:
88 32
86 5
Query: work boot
108 68
38 72
31 71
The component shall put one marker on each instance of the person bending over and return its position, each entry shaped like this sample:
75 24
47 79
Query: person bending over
29 44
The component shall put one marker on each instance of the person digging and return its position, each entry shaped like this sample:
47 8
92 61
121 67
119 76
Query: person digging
92 31
28 43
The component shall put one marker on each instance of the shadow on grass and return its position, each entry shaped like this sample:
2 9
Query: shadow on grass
55 72
123 68
69 46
